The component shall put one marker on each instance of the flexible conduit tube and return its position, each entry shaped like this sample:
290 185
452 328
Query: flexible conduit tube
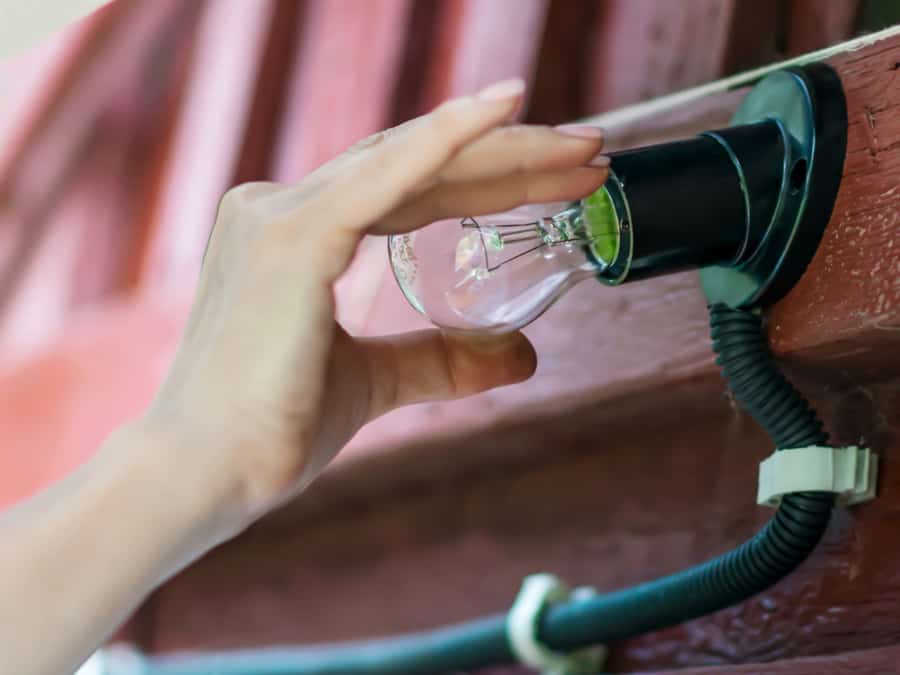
775 551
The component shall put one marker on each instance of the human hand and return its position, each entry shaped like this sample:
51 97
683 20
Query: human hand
266 387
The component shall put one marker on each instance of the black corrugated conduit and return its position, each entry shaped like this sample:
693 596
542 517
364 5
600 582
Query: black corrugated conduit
801 519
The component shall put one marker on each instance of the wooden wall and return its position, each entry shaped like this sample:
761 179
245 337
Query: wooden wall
621 460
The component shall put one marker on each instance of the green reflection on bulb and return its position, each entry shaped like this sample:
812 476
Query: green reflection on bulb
602 226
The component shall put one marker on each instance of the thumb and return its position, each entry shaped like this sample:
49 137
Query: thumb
428 365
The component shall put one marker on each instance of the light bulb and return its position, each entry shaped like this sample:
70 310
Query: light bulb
495 274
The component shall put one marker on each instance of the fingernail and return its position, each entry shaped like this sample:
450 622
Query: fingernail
504 89
600 160
579 130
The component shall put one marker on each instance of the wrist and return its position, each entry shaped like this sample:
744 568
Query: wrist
189 492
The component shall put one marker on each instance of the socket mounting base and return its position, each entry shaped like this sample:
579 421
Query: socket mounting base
808 105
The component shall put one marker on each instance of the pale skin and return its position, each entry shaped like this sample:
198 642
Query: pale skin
266 387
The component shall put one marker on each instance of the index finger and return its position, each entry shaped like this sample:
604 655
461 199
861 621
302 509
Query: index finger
379 174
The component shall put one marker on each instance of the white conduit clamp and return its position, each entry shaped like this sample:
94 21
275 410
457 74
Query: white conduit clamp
851 473
538 592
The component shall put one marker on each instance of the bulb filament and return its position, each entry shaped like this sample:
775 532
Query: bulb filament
563 228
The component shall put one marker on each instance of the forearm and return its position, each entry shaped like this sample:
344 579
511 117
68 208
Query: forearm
78 558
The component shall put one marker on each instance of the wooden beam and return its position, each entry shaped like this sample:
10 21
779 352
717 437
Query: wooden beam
844 315
46 157
643 49
347 52
65 69
609 494
562 81
209 133
482 42
268 99
866 662
813 24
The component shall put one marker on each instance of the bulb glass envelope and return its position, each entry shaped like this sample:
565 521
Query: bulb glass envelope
495 274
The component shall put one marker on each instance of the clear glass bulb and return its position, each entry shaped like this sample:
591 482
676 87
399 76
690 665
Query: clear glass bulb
495 274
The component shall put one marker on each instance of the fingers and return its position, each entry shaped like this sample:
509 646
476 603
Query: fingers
428 366
445 163
380 173
521 148
492 196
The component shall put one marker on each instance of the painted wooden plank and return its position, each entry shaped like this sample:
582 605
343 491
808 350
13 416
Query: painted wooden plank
203 154
54 148
660 108
562 79
844 315
57 73
348 53
612 493
83 225
643 49
273 80
91 231
483 42
813 25
882 661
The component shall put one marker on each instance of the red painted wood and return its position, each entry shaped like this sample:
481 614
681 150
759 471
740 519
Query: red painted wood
358 61
643 49
611 493
57 145
347 53
268 100
155 125
882 661
209 134
813 25
66 62
562 81
844 315
85 224
482 42
755 35
83 239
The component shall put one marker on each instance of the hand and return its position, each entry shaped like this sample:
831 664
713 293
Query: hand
266 386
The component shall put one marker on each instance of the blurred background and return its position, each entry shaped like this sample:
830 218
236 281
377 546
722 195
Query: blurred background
119 134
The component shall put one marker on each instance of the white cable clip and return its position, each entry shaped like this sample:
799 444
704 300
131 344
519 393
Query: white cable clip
538 592
850 472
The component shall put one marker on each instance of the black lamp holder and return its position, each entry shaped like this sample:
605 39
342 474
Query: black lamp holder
747 204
